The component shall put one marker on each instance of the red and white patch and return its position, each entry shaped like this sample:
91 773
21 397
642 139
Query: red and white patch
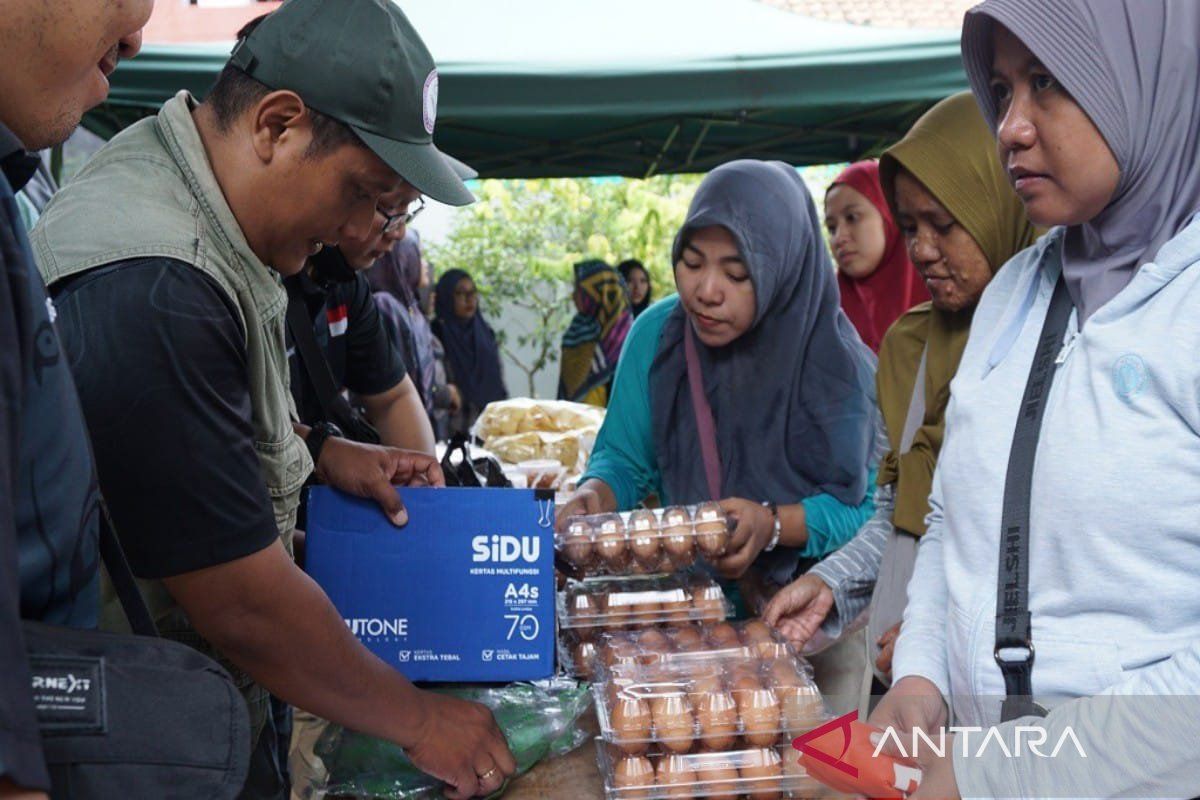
338 321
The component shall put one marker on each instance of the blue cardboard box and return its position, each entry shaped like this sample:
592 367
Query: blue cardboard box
464 592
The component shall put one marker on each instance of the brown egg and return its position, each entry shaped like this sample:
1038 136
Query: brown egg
723 636
633 772
611 542
577 542
687 639
583 607
701 687
617 610
618 655
742 669
745 684
678 539
716 777
630 721
717 716
644 539
790 763
674 725
654 641
676 776
759 711
583 657
709 602
755 631
802 708
712 530
772 651
761 772
676 605
646 613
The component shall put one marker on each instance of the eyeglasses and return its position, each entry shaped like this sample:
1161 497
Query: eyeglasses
393 221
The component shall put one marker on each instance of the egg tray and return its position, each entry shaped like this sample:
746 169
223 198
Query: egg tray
642 602
759 773
712 687
645 541
595 605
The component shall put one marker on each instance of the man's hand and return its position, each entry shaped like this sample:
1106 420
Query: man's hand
911 703
937 779
8 791
755 524
455 398
459 742
799 609
369 470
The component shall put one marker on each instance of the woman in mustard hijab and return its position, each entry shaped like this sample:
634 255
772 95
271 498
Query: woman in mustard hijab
961 221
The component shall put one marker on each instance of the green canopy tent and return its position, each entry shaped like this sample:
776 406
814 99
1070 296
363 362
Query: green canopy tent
536 88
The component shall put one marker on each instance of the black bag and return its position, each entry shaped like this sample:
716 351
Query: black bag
134 716
468 471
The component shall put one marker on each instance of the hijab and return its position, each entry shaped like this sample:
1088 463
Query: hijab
397 274
1134 69
472 354
873 303
626 269
950 150
592 343
793 398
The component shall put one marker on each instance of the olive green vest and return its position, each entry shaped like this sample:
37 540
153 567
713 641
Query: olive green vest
151 192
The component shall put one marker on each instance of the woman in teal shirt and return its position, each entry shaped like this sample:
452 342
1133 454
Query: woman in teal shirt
790 385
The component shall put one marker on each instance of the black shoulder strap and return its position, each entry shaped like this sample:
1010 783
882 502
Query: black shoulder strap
140 620
329 395
1014 634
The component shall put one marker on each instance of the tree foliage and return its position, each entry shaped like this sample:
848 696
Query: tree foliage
522 239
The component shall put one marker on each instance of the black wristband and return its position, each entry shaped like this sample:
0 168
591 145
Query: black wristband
317 435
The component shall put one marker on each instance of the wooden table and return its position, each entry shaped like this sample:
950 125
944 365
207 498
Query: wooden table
574 775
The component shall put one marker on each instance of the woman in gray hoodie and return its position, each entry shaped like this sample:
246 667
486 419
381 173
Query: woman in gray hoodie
1096 110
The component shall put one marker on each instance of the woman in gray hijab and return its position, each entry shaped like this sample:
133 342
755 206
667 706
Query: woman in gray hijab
784 433
1073 534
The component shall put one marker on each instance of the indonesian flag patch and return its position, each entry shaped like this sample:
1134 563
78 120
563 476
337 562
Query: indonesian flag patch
337 320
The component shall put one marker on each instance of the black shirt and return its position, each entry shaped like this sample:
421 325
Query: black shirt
351 334
159 356
48 495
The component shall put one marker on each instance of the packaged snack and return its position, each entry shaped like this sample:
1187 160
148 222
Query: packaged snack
645 541
591 607
712 687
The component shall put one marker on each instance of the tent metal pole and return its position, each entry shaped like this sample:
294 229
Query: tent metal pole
662 152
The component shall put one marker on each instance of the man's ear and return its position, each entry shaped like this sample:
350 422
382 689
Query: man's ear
280 119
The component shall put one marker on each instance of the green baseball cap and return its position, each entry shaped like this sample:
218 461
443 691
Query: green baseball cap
362 63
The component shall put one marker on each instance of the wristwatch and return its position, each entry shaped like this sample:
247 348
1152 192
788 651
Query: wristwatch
317 435
778 529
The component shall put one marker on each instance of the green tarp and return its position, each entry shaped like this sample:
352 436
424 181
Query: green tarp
535 88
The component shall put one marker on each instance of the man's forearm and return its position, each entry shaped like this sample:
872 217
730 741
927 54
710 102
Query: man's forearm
401 420
271 620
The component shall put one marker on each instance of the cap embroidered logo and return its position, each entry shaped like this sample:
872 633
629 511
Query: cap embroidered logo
429 99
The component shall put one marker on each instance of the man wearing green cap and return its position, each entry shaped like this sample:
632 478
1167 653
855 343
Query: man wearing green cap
165 257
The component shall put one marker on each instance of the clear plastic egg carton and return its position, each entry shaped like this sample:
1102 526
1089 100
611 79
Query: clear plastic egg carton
644 541
716 687
755 773
590 608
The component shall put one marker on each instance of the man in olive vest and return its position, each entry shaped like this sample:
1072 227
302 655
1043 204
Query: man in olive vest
165 256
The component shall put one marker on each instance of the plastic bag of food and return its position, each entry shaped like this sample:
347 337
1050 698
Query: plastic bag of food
540 720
